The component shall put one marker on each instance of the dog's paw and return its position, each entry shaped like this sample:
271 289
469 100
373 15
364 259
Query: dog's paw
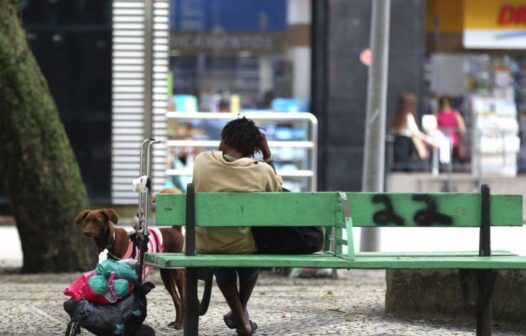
176 325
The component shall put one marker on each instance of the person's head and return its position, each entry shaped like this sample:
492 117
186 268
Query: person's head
443 103
267 99
406 104
243 136
224 106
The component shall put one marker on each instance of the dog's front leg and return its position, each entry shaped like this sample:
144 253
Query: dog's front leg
169 279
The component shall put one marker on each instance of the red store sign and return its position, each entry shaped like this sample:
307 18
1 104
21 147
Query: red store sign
512 15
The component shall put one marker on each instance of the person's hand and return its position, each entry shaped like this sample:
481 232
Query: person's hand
432 142
263 145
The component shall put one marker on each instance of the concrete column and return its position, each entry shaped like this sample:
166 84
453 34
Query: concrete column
299 51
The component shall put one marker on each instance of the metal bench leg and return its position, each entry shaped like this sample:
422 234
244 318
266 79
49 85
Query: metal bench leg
207 276
477 289
191 302
486 279
486 284
191 316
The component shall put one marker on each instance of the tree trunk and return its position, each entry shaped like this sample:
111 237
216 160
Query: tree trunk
37 164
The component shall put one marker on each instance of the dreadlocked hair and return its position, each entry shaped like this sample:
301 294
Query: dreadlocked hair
242 135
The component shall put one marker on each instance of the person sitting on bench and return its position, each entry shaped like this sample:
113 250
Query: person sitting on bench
233 168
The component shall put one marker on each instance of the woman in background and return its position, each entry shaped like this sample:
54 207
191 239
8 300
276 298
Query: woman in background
408 138
452 124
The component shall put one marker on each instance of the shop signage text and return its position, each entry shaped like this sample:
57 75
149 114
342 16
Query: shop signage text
509 15
208 42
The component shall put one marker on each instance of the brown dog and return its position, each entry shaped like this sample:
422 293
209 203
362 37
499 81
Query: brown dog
100 225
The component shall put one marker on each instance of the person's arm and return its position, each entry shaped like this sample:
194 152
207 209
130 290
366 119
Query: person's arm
265 150
461 123
419 134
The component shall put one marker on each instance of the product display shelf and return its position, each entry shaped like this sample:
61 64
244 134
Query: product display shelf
292 138
496 140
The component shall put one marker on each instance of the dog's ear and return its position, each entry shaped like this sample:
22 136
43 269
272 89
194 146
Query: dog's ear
81 216
111 215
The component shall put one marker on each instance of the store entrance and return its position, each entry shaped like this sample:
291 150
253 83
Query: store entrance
489 91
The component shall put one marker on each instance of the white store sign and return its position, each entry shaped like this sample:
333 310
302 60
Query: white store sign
494 39
494 24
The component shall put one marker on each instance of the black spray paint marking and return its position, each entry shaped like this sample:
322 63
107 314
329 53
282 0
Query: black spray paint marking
430 216
388 215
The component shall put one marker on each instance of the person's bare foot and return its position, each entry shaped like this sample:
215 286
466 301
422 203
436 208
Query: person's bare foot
248 329
230 321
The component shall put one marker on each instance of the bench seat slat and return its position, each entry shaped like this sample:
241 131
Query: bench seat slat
173 260
434 254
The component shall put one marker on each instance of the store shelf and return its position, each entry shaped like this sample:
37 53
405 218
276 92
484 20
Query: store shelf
282 173
295 159
275 116
215 144
496 141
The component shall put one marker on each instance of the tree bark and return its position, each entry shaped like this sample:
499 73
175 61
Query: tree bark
40 172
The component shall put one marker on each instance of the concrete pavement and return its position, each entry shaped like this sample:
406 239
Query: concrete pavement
351 305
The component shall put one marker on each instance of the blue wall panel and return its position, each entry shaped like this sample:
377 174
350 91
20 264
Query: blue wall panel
228 15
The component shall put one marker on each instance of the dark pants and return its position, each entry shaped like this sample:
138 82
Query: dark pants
229 275
403 150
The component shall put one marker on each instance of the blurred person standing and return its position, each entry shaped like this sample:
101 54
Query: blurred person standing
408 139
452 124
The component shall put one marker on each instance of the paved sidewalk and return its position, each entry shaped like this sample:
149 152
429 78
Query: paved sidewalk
352 305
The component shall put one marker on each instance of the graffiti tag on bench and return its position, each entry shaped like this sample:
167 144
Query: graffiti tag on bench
427 216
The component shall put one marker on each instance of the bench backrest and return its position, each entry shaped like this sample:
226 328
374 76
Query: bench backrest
325 209
337 211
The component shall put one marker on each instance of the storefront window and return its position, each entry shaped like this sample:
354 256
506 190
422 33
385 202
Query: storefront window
476 58
214 79
240 56
236 54
72 42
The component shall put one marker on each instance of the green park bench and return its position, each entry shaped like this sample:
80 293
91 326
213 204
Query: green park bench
338 213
